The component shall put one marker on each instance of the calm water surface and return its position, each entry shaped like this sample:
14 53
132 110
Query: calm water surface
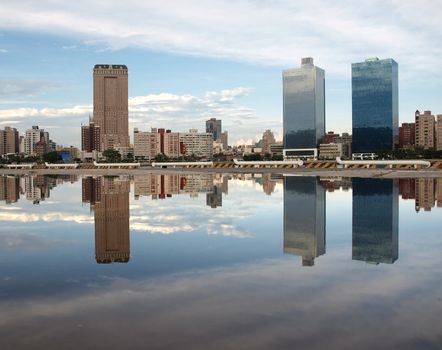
220 262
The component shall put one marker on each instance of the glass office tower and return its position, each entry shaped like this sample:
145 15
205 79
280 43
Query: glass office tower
375 220
303 106
304 218
375 105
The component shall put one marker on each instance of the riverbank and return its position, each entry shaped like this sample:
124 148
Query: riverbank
375 173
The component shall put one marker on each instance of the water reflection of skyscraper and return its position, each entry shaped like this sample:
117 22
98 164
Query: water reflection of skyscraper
110 200
375 220
9 189
304 218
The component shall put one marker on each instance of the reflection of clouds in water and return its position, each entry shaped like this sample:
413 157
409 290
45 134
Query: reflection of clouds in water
25 241
179 214
262 306
227 230
9 208
46 217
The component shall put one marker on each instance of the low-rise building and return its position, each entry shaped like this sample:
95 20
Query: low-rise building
345 140
277 148
330 150
197 144
146 144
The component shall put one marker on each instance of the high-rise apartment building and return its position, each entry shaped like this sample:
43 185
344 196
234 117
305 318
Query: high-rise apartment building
9 141
304 218
111 111
375 220
375 106
439 132
407 135
213 126
425 127
303 106
267 139
225 140
90 137
32 136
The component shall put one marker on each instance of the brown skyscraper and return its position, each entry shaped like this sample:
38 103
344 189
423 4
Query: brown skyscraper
112 222
111 111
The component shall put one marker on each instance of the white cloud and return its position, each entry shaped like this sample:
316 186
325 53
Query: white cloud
273 33
25 88
179 112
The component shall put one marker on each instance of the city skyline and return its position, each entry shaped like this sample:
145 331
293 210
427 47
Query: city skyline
188 81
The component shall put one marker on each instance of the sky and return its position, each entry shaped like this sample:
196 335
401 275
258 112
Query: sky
190 60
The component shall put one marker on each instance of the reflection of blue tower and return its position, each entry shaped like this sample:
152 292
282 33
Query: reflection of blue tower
375 220
304 218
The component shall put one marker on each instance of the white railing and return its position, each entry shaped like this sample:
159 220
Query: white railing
414 162
181 164
268 162
116 165
62 166
21 166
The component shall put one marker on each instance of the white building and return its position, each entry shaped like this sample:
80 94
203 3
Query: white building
198 144
330 150
146 144
32 136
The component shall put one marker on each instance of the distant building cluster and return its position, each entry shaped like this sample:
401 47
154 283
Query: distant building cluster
375 122
148 145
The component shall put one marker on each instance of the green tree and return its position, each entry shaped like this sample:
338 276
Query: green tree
252 157
161 158
130 157
277 157
51 157
112 156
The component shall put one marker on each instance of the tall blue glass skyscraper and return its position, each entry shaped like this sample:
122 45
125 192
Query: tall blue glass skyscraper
303 106
375 105
375 220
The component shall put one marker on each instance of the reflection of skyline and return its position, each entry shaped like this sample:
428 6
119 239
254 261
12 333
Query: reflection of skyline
375 220
304 218
35 188
109 198
427 192
166 185
332 184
